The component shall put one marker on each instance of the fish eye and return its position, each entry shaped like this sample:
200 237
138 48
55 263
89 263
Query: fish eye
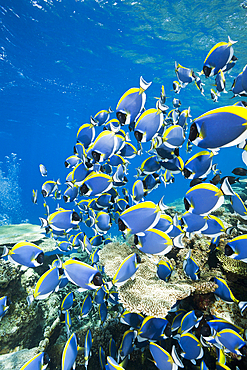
206 330
193 132
43 192
121 117
75 216
97 279
40 258
186 204
207 70
138 135
121 225
228 250
83 189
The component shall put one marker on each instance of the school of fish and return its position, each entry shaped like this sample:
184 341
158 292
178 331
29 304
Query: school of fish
99 193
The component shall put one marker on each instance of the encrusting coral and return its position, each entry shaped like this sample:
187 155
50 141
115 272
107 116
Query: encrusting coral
146 293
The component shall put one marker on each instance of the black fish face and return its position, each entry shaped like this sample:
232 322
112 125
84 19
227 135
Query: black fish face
228 250
121 225
76 217
44 193
187 173
193 132
97 279
136 240
66 198
66 164
96 156
83 189
138 135
205 330
40 258
186 204
207 70
121 117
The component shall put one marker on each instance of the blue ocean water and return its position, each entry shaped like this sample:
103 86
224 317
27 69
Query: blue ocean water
63 61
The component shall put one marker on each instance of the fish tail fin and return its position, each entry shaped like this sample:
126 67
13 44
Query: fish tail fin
5 252
231 42
144 85
162 206
93 121
175 357
242 306
30 299
44 222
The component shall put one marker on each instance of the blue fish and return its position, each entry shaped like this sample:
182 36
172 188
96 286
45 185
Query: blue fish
102 222
4 306
192 223
164 270
184 75
61 220
70 194
192 348
149 166
224 292
49 187
174 136
203 199
190 267
218 57
87 347
25 254
67 302
82 274
189 320
215 227
64 246
131 103
72 161
103 116
112 364
127 344
219 128
95 184
102 358
86 306
176 85
112 348
231 340
99 296
199 165
138 191
126 270
86 133
47 284
239 206
155 242
132 319
236 248
176 322
149 123
154 328
162 359
39 361
43 170
69 353
140 217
